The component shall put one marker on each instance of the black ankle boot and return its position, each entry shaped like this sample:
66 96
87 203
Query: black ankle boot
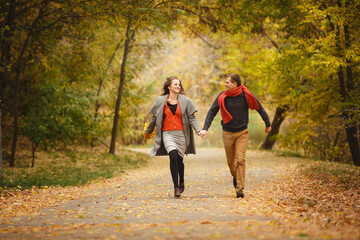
181 187
177 192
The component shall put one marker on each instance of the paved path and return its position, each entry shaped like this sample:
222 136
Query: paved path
141 204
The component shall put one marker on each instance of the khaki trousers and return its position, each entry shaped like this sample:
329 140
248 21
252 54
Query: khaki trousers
235 144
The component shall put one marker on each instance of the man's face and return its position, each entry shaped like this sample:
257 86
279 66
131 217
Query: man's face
229 85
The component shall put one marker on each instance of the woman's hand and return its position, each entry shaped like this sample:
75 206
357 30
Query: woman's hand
146 136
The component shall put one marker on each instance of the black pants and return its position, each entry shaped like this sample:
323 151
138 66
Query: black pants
177 168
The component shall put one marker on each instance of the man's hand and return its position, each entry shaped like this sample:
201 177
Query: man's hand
268 129
202 133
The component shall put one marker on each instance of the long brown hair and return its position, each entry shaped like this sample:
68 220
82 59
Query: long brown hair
168 82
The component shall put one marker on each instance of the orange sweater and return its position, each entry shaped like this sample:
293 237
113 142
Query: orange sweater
171 121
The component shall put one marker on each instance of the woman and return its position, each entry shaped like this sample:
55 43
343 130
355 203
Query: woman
173 117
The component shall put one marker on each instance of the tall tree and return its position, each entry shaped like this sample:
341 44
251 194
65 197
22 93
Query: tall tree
330 50
19 68
35 22
348 85
136 15
129 38
323 49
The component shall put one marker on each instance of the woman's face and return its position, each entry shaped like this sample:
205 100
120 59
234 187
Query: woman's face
175 86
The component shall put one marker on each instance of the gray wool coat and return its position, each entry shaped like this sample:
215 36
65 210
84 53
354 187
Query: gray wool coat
188 110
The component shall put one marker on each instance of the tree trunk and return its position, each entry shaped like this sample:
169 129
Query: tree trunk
353 144
129 37
97 104
346 85
275 127
15 123
351 131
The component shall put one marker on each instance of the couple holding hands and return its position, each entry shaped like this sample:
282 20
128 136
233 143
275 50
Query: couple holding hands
173 115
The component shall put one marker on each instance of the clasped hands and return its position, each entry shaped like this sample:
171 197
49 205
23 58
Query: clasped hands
202 133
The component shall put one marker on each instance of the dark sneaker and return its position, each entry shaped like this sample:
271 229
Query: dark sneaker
240 194
234 182
181 187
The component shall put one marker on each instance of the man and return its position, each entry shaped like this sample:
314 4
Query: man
234 105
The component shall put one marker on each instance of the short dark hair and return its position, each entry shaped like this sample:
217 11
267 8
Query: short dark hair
235 78
168 82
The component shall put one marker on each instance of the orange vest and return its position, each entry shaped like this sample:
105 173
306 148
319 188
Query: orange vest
171 121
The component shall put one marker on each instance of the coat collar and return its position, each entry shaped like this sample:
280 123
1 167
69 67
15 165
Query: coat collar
181 100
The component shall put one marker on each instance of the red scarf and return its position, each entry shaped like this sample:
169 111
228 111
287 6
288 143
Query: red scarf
250 99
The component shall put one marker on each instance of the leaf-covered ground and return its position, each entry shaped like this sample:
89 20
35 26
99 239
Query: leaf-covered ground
279 203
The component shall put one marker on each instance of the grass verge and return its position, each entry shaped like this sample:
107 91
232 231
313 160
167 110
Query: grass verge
72 167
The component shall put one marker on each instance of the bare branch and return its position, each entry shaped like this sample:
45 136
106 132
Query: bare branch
272 41
203 39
